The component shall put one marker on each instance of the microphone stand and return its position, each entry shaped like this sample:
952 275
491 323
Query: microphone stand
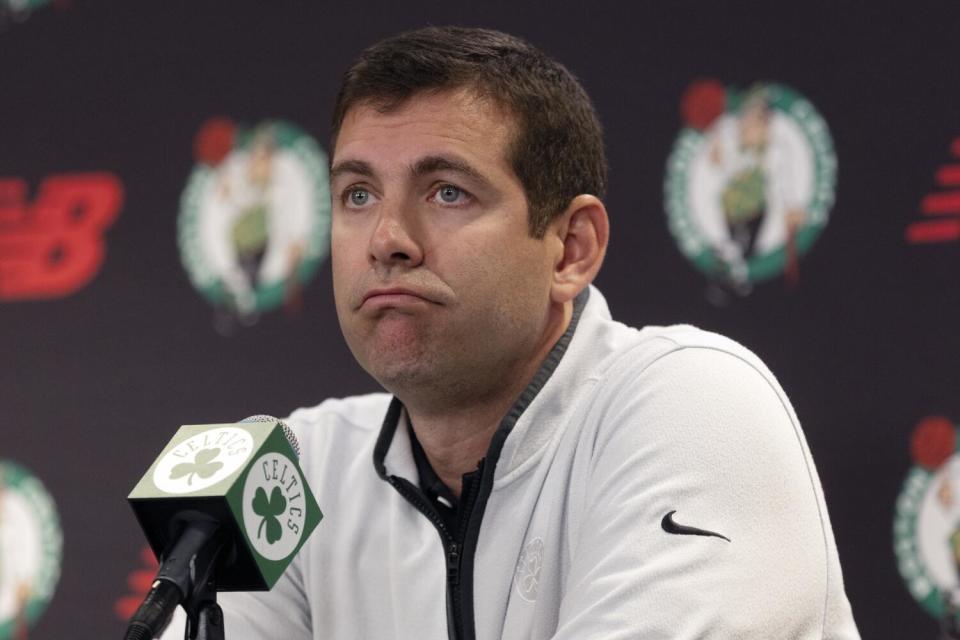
204 616
187 576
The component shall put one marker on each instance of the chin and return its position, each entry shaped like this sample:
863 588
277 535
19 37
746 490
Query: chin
399 373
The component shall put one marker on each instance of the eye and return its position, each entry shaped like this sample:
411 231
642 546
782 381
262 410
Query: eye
358 197
450 194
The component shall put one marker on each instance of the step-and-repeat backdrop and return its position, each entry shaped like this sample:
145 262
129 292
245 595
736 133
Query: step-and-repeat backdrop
787 174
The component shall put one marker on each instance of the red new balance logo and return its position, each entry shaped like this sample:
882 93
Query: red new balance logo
139 582
54 246
941 208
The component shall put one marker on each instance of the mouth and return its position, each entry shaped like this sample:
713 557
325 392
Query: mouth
394 297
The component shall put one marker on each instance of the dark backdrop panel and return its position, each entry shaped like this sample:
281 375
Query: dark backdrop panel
94 383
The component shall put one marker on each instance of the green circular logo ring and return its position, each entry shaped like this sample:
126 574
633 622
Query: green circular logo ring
793 111
251 167
927 484
31 578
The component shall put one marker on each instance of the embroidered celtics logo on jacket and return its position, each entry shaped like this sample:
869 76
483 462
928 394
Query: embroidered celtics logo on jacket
527 577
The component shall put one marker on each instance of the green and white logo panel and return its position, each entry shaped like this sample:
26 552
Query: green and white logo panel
750 181
31 543
274 506
254 219
203 460
926 529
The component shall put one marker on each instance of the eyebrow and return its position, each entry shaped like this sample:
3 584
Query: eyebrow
351 166
424 166
432 164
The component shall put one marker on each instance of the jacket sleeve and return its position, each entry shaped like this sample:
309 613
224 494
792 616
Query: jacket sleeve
709 437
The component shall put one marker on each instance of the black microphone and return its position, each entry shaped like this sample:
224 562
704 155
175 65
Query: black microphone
225 507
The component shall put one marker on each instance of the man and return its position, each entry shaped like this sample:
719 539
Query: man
538 470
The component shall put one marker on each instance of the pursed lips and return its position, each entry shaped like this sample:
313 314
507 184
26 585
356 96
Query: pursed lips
394 296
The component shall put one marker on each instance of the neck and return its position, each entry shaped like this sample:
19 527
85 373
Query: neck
457 436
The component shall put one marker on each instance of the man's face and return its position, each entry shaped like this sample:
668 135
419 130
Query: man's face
439 288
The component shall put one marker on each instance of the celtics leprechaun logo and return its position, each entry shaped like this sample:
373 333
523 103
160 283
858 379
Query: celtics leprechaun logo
926 530
31 543
255 217
749 183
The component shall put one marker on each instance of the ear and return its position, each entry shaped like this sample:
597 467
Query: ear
583 229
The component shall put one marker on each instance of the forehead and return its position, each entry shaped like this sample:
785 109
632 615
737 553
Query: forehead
428 123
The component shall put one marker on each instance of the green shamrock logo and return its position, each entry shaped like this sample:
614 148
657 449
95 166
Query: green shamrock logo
203 465
269 509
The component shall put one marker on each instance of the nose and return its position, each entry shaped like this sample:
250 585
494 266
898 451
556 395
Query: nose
394 241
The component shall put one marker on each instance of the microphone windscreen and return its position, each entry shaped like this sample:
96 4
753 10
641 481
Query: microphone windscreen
287 431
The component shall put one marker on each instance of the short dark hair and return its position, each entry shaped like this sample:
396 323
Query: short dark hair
557 149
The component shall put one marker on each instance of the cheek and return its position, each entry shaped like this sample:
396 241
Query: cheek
529 260
337 271
532 277
513 277
472 269
347 250
345 271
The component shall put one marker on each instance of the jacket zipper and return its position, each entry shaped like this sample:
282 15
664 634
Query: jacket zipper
453 564
451 550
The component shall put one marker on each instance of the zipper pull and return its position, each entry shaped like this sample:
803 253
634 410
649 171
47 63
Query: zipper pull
453 564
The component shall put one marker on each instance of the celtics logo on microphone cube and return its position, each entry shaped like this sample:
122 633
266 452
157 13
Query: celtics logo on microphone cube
244 475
